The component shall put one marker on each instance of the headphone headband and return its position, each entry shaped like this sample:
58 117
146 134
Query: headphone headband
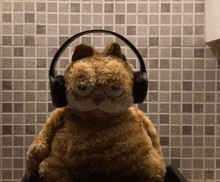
71 39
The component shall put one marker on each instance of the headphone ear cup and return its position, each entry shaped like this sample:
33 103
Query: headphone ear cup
140 87
58 91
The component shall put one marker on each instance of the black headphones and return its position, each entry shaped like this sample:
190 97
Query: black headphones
57 83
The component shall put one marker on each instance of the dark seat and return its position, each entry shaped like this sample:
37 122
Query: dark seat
172 175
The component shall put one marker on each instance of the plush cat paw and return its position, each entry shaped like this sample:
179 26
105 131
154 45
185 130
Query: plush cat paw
53 170
36 154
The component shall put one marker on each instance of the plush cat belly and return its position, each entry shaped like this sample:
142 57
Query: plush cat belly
122 148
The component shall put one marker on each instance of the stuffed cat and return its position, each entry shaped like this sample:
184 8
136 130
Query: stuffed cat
99 135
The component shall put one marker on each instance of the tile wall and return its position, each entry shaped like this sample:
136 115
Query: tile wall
184 77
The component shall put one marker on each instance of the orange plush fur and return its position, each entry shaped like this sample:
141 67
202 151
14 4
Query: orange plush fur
99 133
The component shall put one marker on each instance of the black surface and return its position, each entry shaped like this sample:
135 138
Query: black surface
172 175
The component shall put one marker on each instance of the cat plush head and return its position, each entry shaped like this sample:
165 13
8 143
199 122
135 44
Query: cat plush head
99 81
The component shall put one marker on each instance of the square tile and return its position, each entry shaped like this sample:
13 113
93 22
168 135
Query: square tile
198 130
164 141
209 130
18 107
175 162
176 86
52 7
6 174
131 8
197 174
199 7
75 7
198 163
6 6
198 108
198 97
188 7
6 130
176 75
97 8
187 119
187 130
176 19
6 18
176 52
209 97
165 7
175 152
41 29
153 75
176 8
29 17
41 7
6 141
109 8
198 152
7 96
6 152
187 108
164 130
186 163
187 141
187 86
175 130
7 107
175 108
52 18
175 141
142 107
209 174
142 8
164 97
18 130
187 75
209 152
7 40
7 85
210 86
198 53
153 108
29 129
164 86
154 30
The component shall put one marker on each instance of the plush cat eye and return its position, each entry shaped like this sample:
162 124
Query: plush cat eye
84 89
114 91
115 88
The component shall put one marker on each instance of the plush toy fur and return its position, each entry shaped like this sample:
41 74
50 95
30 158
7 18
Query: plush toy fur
99 135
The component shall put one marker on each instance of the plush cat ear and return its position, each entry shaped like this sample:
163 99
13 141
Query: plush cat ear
82 51
114 50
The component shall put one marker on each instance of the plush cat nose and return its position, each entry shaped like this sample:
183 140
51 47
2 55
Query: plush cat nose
98 98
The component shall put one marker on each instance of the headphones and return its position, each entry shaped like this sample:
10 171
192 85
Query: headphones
57 83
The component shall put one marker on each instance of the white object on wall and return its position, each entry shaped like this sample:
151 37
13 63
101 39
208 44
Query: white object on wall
212 23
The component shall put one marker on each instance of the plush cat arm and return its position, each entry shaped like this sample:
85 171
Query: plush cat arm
151 131
155 161
148 125
158 165
41 147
